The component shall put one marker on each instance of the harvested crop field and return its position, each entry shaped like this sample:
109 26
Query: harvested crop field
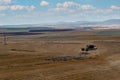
30 57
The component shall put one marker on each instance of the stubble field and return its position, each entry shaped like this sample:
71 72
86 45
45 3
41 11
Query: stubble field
30 57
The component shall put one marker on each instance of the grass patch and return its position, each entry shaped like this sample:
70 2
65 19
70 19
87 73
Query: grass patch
59 37
107 33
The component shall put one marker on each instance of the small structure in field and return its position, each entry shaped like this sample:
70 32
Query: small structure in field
91 47
84 51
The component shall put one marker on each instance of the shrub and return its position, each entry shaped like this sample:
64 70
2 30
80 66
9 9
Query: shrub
82 49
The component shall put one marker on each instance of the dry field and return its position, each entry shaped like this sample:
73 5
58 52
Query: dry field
27 57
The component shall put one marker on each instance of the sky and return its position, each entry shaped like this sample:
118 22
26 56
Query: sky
15 12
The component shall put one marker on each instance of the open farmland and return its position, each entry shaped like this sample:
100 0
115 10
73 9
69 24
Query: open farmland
29 57
108 32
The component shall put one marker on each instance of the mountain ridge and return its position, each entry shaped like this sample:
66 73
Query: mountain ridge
110 22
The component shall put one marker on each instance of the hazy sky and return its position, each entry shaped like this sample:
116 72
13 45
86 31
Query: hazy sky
49 11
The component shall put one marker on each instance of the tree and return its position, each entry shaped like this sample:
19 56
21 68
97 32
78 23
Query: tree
82 49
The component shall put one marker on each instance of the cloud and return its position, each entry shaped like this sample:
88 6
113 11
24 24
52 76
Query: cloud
20 7
103 11
71 7
114 7
2 14
67 4
60 11
17 7
76 8
44 3
87 7
5 1
4 7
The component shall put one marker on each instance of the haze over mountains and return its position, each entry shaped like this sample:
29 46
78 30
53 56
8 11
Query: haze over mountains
112 23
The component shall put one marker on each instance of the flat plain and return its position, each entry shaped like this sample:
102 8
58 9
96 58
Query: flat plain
30 57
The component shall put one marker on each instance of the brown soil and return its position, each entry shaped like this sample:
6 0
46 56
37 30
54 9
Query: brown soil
24 57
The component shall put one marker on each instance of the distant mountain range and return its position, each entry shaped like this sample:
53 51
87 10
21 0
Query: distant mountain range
111 22
78 24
